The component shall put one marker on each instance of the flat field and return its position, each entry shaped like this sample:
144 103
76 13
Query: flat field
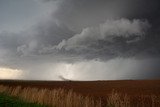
95 88
136 90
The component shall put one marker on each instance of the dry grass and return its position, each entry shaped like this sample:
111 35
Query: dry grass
116 99
64 98
53 98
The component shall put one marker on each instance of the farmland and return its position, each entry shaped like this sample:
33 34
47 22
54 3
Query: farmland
122 93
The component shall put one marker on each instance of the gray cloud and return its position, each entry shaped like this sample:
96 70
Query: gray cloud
77 14
87 34
107 31
44 34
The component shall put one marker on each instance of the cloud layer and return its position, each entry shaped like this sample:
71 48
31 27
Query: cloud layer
108 31
86 36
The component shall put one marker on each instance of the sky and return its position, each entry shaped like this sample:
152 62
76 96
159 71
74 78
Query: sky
79 39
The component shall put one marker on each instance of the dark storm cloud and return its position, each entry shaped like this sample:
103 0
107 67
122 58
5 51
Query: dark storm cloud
76 13
43 35
99 31
107 38
74 17
79 14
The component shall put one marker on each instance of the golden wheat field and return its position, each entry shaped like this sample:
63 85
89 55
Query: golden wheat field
86 94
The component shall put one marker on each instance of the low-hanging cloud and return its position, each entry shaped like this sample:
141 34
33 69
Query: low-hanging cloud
110 29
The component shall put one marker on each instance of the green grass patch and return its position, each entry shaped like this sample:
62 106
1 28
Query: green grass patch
10 101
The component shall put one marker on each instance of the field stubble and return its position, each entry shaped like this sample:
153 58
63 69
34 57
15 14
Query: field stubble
60 97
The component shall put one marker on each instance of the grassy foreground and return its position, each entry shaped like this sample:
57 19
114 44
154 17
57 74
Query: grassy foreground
68 98
11 101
